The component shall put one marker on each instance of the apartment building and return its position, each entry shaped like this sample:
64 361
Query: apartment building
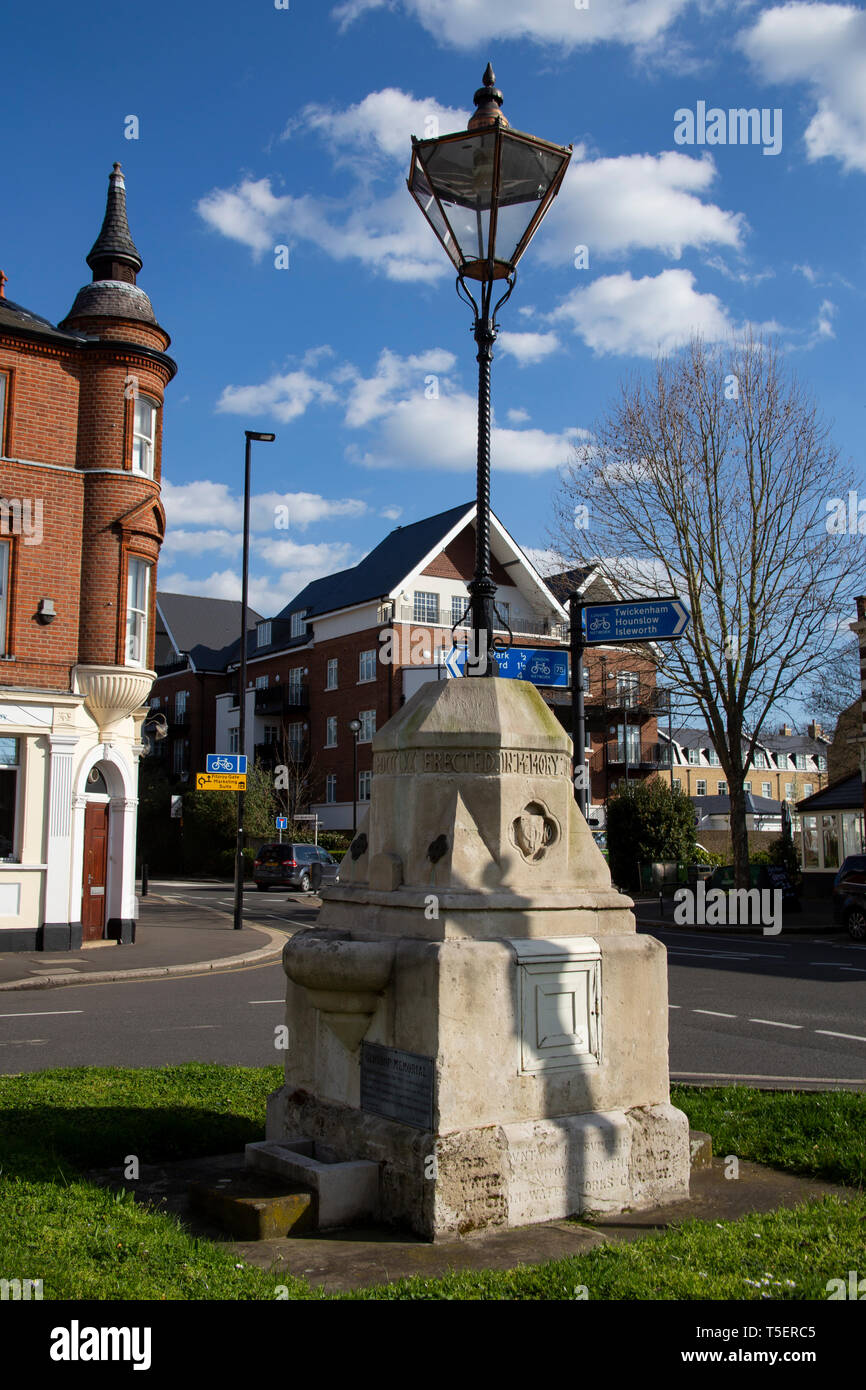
352 646
785 767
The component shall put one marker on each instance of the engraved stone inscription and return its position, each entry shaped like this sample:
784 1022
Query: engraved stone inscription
398 1085
483 762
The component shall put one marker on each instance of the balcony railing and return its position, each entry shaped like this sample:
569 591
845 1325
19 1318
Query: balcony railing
521 624
278 698
645 755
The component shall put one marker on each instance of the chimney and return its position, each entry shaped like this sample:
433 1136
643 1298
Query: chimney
814 730
3 279
786 731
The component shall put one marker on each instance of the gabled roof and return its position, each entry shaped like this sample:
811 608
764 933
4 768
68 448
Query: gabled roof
568 582
382 570
205 628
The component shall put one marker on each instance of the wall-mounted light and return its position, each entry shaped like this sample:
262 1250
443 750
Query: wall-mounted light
45 612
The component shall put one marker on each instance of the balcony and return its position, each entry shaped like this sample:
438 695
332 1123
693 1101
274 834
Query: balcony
278 699
645 756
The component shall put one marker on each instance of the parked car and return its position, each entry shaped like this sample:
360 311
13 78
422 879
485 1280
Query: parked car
849 896
292 866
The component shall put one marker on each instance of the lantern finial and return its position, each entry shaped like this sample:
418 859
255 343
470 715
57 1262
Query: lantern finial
488 100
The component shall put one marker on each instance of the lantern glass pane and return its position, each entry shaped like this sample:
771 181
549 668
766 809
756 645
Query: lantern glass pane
525 178
423 195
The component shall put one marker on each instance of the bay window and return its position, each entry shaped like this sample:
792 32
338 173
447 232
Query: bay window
137 596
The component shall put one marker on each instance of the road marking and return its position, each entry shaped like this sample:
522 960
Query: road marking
266 1001
23 1042
714 1012
771 1023
675 1006
851 1037
43 1013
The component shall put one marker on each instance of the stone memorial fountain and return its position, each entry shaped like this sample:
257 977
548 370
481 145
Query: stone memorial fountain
478 1038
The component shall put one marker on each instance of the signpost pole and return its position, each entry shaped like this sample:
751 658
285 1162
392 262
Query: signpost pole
578 726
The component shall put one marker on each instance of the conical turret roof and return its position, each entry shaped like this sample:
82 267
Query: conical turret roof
114 242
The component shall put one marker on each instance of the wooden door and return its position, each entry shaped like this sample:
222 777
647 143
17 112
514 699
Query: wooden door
95 863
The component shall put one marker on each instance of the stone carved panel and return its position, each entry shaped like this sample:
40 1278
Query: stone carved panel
559 995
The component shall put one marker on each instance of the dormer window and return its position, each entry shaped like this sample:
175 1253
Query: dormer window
144 436
299 623
263 634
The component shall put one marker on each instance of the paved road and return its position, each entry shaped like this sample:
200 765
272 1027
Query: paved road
789 1009
783 1011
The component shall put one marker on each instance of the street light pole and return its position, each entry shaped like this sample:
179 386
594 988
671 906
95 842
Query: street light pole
355 728
462 183
242 676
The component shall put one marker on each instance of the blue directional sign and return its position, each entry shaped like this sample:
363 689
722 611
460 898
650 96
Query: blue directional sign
647 620
282 822
538 665
226 762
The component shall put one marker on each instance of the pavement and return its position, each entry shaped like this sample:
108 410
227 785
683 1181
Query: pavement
172 937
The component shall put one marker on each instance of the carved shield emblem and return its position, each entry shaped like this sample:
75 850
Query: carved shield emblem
533 831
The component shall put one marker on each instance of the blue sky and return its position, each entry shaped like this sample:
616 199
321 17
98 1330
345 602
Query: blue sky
262 127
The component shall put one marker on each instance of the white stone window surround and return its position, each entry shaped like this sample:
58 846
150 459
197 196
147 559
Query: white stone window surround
144 416
559 1000
137 609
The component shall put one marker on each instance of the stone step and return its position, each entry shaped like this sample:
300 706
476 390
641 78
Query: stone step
346 1192
252 1205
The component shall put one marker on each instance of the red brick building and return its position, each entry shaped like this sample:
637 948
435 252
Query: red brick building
81 524
355 645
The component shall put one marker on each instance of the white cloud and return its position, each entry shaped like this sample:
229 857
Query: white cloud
441 435
823 46
285 395
267 595
372 397
248 213
215 507
380 126
467 23
528 348
618 314
386 234
391 513
636 202
517 416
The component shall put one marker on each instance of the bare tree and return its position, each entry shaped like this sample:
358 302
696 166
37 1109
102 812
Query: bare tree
713 480
837 685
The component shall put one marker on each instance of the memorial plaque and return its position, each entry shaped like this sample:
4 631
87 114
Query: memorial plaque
398 1085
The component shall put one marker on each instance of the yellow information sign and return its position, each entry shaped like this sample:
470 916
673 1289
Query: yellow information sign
221 781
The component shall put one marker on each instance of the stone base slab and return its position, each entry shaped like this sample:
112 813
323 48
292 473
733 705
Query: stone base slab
497 1176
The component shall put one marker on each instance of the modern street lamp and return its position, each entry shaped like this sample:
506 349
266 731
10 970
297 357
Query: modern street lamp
484 192
355 728
242 675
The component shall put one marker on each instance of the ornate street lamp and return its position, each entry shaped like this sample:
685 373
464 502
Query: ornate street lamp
484 192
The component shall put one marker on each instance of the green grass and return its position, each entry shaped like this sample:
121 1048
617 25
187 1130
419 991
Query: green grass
88 1242
818 1135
